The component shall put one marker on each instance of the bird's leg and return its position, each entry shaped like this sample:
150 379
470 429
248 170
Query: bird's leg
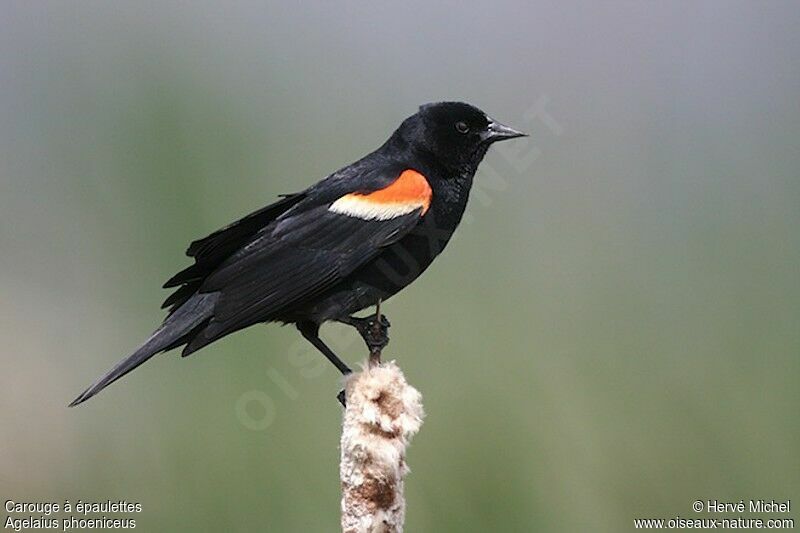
310 331
374 330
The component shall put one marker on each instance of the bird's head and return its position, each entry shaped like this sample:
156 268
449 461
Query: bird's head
454 133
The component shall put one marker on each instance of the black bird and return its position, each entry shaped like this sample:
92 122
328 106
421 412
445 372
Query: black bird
344 244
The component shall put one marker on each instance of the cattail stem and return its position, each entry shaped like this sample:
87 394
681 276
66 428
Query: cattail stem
383 412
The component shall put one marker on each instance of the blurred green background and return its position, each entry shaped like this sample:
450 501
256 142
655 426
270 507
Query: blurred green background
613 332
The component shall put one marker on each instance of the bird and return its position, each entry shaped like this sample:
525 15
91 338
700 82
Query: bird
342 245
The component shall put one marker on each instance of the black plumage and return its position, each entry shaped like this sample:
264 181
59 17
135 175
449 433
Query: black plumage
342 245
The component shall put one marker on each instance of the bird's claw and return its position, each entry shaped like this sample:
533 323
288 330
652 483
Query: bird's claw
375 332
342 398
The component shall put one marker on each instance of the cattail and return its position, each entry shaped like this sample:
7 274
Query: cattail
383 412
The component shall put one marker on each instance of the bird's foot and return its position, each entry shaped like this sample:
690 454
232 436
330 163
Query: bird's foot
342 396
375 332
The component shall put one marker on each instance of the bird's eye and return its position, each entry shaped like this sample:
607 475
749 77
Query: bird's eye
462 127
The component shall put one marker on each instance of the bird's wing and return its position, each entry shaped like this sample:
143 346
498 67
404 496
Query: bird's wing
211 251
366 175
309 249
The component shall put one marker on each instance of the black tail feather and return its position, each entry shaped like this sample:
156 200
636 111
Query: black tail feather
176 328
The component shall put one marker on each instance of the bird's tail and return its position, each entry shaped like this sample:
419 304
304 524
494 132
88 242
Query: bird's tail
170 334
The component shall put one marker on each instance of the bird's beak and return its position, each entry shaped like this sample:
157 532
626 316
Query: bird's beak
500 132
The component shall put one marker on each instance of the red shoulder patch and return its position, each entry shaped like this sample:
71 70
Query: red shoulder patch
409 192
409 187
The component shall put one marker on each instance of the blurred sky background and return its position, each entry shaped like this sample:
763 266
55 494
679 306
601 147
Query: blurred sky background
612 333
